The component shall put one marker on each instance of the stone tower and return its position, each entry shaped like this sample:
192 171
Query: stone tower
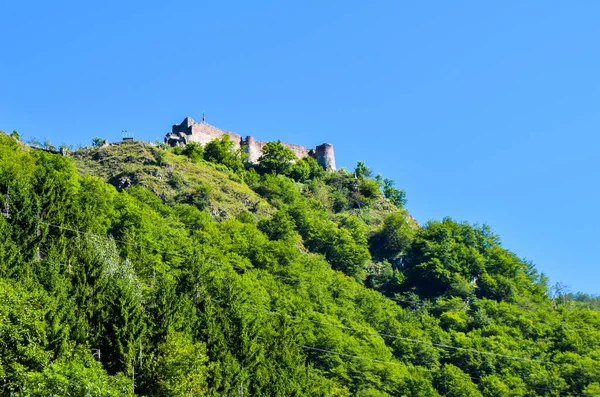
325 157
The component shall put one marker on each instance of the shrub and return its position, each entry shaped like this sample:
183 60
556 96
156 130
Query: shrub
160 156
175 180
194 151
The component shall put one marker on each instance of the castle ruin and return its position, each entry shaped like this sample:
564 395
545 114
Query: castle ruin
202 132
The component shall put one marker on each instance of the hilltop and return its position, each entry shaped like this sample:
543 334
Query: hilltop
198 272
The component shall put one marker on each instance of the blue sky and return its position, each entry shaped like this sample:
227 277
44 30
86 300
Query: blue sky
484 112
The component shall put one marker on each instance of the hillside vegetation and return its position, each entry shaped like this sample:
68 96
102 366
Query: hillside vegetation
142 270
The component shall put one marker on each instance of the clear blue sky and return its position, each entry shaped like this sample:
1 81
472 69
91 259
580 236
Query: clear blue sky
485 112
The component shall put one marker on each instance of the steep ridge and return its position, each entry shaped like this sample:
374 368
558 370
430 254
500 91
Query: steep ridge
198 274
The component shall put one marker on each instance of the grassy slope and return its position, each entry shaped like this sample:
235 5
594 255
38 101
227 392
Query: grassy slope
180 176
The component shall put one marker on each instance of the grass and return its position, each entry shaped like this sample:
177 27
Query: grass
178 179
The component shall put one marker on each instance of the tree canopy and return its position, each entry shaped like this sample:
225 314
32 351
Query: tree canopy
124 275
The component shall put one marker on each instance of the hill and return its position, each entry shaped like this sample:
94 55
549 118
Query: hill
137 269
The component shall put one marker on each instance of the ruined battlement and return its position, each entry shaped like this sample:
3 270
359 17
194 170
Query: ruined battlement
202 132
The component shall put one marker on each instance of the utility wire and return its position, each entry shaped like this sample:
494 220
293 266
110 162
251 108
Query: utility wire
397 364
416 302
440 345
117 240
433 370
398 337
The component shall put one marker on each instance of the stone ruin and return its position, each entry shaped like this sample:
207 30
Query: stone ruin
192 131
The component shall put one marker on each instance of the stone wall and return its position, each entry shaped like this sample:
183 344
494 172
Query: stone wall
191 131
204 133
254 149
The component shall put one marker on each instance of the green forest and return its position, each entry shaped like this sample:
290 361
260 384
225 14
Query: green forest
139 269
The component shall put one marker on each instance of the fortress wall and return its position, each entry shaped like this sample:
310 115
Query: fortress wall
203 133
299 151
185 126
254 149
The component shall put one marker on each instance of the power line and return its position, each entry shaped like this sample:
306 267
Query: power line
235 267
117 240
440 345
424 368
309 282
400 337
432 370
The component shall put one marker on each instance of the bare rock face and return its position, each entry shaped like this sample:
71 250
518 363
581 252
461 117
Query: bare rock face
122 181
192 131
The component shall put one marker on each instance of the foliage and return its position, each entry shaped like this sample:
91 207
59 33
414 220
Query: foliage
97 142
223 151
396 196
194 151
277 159
362 171
394 238
160 156
197 283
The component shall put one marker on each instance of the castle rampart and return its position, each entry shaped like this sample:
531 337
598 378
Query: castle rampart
191 131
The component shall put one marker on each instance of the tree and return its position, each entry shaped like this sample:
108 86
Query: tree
453 382
15 134
300 171
369 189
48 145
33 141
394 238
277 159
181 369
65 148
97 142
77 374
279 227
222 151
397 197
362 171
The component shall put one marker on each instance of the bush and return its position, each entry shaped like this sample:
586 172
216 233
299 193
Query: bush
175 180
201 196
194 151
160 156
